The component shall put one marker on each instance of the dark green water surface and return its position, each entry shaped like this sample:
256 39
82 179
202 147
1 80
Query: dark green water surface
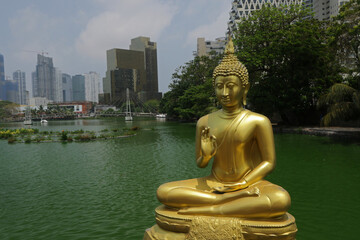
106 189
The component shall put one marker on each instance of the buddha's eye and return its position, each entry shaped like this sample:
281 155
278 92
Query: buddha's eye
230 85
219 86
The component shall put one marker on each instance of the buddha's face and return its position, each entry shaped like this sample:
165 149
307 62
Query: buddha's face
229 91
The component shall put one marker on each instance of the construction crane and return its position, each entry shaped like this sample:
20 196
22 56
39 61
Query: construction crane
42 52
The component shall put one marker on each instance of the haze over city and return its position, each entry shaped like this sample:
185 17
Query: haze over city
76 34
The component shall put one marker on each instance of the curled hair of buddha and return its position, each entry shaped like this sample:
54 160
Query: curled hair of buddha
230 65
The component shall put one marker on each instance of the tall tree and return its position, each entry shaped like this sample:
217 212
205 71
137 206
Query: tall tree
7 109
191 92
341 102
288 60
345 40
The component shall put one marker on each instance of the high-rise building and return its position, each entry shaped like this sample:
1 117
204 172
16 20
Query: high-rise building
93 86
2 68
205 47
2 78
58 85
8 88
78 86
11 90
150 90
322 9
19 77
67 91
125 69
34 84
241 9
325 9
45 83
135 69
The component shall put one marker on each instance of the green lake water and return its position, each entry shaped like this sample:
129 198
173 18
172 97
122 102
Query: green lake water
106 189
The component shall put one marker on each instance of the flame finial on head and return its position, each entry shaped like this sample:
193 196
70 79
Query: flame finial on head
229 49
230 65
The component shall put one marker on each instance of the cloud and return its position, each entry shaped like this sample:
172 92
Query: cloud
213 29
31 30
121 21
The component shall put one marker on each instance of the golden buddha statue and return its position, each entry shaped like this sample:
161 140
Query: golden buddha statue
241 143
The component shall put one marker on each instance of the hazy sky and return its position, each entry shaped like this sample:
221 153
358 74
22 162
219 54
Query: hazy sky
77 33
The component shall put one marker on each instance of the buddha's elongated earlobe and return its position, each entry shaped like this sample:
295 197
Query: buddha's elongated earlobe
247 86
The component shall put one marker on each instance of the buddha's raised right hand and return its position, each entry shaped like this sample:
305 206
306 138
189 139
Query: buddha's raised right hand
208 143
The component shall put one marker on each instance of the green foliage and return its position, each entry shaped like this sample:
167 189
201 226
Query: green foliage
345 41
12 140
83 137
64 136
341 102
7 108
29 135
39 138
196 101
110 110
289 62
152 105
78 131
191 92
129 133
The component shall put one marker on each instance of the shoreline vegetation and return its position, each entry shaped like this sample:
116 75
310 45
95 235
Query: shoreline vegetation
34 135
334 132
303 71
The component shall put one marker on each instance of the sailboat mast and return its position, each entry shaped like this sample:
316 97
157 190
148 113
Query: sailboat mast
128 107
128 116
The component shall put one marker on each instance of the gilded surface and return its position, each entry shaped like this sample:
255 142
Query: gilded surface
206 228
241 143
171 225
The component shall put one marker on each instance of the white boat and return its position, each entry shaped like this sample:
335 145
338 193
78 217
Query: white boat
43 121
161 115
28 122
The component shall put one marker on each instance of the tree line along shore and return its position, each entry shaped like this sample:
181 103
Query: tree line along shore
302 71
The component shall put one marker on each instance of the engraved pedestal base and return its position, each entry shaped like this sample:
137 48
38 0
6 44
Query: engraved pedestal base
173 226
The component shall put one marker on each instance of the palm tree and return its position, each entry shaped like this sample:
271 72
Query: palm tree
342 103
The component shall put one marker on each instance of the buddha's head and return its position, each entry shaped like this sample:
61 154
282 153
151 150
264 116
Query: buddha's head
231 79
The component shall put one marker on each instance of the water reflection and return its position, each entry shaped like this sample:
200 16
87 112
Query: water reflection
106 189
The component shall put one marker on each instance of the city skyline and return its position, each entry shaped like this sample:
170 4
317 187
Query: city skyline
75 36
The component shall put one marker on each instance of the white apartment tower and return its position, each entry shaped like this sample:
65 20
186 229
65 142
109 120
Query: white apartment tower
19 77
242 9
58 85
93 86
325 9
47 80
322 9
